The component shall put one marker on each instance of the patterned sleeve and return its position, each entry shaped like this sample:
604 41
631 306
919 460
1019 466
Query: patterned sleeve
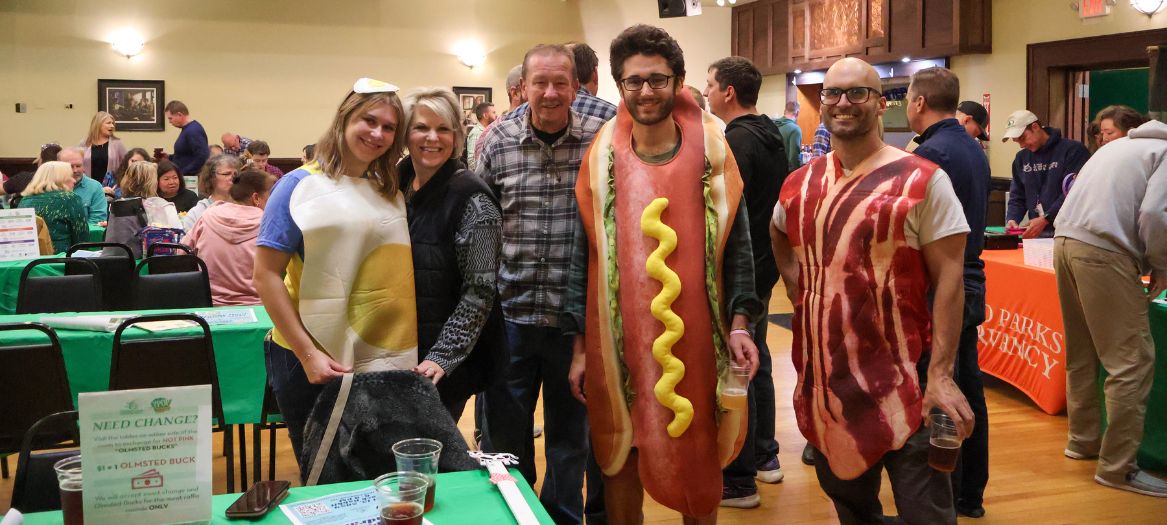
78 219
477 246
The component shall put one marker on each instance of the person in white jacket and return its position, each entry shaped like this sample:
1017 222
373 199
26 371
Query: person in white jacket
1111 231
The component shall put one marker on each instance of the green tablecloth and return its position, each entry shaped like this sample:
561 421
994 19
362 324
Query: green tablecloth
10 280
1153 451
238 355
463 498
96 233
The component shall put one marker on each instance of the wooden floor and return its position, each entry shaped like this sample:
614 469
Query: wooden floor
1030 481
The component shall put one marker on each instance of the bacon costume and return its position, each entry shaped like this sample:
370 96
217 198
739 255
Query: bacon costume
657 235
863 320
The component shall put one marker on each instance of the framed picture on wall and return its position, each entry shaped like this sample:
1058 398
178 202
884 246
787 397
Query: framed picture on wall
136 105
468 97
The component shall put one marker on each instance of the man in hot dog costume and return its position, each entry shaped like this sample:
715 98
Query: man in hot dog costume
661 268
863 236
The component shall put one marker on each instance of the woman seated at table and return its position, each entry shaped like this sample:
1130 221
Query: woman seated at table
111 183
140 181
347 248
224 237
50 195
172 188
214 182
454 229
14 185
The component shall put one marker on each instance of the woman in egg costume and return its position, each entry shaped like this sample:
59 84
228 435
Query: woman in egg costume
336 227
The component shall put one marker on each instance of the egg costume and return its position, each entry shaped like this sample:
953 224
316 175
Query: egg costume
356 295
656 330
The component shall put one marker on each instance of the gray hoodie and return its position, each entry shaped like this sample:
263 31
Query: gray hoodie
1119 200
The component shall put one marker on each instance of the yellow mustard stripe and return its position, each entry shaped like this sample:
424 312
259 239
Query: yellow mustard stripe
672 369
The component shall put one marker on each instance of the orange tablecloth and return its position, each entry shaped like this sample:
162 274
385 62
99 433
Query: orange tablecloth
1022 340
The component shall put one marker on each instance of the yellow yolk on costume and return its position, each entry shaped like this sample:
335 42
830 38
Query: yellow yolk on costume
381 306
672 369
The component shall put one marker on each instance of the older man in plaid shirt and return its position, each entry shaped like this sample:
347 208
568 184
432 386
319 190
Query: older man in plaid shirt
586 102
531 163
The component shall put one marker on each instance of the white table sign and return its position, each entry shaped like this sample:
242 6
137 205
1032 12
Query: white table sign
146 455
18 235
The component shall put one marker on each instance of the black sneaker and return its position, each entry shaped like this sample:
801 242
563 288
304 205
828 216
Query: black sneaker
740 497
808 455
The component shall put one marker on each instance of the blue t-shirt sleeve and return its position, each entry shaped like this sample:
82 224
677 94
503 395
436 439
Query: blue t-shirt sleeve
277 230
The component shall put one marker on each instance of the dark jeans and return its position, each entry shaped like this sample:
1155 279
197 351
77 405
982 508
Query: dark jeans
540 356
972 472
293 393
923 495
760 445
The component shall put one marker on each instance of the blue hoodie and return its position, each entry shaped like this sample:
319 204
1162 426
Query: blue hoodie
1038 176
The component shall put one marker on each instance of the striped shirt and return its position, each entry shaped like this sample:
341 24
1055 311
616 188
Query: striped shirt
585 104
535 185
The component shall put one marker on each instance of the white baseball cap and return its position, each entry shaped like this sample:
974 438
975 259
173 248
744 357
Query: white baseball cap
1018 121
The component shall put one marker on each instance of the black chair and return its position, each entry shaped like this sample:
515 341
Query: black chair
176 265
158 291
157 362
117 272
33 384
77 291
270 411
35 486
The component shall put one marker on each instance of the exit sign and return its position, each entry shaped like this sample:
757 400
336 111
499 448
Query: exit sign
1094 8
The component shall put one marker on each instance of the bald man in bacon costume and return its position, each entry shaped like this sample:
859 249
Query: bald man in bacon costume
660 292
863 236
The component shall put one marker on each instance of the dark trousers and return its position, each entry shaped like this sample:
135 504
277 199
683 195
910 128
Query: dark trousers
760 445
972 471
923 495
540 356
294 394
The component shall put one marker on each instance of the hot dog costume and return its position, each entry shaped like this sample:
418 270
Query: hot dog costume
656 321
863 321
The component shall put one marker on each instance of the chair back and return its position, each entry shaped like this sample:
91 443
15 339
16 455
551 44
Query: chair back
35 486
117 272
78 291
177 264
33 383
155 362
183 289
43 239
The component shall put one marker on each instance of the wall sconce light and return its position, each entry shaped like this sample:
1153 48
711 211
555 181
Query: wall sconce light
1148 7
127 44
721 3
470 54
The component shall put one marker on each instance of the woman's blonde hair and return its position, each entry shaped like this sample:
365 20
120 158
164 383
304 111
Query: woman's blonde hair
443 103
207 175
140 180
95 127
50 176
331 150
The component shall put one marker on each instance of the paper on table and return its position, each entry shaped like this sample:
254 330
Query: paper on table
218 317
496 465
93 323
158 326
356 507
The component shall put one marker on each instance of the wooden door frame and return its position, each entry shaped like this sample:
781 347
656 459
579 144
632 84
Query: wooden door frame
1047 62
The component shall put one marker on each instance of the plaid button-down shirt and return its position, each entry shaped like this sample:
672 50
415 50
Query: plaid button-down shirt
822 141
585 104
535 185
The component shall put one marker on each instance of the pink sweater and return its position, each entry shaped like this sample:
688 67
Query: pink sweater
224 237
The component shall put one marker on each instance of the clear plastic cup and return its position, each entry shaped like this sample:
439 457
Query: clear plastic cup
401 497
736 386
944 443
69 482
420 455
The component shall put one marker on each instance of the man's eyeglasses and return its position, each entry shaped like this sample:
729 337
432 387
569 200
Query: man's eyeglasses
654 82
855 95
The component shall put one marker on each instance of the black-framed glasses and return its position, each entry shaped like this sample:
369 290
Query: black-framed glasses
655 81
855 95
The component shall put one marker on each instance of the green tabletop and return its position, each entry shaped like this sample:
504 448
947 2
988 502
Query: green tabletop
995 229
96 233
462 498
238 356
10 280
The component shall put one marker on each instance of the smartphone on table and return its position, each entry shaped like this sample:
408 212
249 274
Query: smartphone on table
261 498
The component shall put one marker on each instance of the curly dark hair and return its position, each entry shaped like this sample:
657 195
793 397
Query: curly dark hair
646 40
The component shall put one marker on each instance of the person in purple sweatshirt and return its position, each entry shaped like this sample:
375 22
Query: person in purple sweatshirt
191 150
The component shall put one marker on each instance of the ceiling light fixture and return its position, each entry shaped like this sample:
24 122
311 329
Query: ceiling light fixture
1148 7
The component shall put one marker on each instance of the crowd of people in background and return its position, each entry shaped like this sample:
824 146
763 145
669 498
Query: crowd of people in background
502 227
